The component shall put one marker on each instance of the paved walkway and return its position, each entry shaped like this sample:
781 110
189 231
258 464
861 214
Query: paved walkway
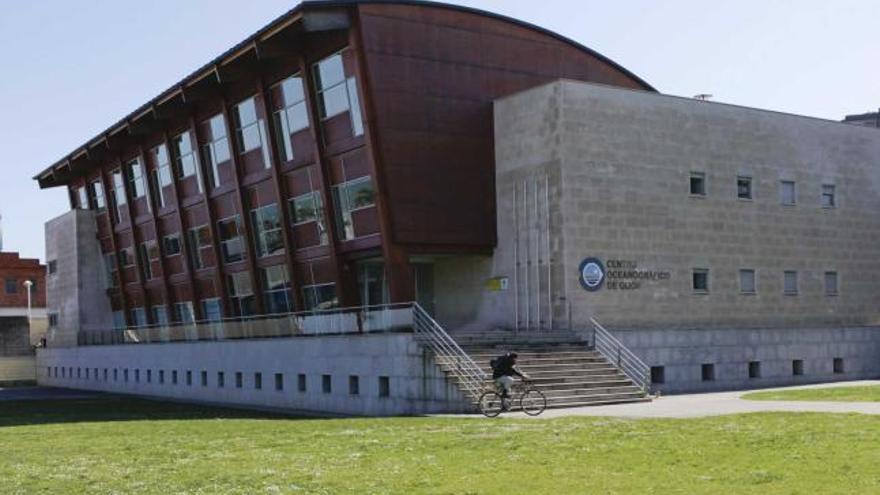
717 404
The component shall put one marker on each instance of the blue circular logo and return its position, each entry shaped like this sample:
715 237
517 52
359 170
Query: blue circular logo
592 274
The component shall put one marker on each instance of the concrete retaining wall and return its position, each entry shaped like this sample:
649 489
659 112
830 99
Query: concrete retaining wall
17 369
415 384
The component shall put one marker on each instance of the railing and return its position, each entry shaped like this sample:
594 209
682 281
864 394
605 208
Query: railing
627 362
447 352
337 321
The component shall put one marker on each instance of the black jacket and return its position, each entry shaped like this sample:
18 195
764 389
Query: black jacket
504 366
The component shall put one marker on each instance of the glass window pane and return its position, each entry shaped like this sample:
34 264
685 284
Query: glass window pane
211 309
246 113
357 123
297 117
292 90
330 72
218 127
221 150
249 138
333 101
282 131
361 193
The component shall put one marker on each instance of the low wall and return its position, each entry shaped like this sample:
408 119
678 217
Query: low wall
16 370
372 374
682 353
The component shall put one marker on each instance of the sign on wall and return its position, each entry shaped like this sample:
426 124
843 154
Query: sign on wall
616 275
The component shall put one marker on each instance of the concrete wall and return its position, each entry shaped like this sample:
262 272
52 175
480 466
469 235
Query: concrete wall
416 384
15 336
15 370
76 291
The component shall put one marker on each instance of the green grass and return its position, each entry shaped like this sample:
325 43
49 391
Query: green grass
868 393
114 446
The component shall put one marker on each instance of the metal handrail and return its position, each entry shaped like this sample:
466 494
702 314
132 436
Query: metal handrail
625 360
428 332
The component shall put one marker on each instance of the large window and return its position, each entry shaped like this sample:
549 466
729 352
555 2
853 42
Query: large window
787 192
161 174
250 129
11 286
200 244
293 117
216 151
126 256
96 189
231 245
183 312
267 230
138 317
336 94
241 293
136 178
118 320
309 207
82 198
160 315
185 159
119 198
349 197
149 252
211 309
276 290
171 245
320 296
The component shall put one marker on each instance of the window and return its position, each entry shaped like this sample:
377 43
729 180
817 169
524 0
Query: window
118 320
200 244
204 377
354 385
231 245
171 245
747 281
658 374
336 93
258 381
138 317
241 294
828 196
52 267
797 367
160 315
185 160
838 365
754 369
149 252
221 379
320 296
216 151
53 320
126 256
11 286
830 283
349 197
326 384
211 309
309 207
708 372
790 282
82 199
293 117
239 379
161 377
301 382
700 280
174 377
119 198
161 174
183 312
96 190
384 386
249 129
267 230
125 375
110 270
136 178
787 192
744 187
276 289
279 381
137 376
698 184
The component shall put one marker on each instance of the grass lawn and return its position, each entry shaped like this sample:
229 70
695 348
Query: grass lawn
867 393
122 446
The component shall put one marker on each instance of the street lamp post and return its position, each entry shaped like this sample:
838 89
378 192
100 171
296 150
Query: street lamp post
28 285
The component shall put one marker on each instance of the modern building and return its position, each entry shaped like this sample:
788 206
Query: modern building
870 119
511 182
23 317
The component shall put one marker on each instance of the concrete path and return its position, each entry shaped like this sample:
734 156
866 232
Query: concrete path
43 393
716 404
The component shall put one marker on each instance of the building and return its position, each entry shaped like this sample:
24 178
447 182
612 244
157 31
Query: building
870 119
23 319
357 154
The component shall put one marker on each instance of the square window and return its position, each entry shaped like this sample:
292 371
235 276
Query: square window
787 192
747 281
744 187
797 367
301 382
326 384
221 379
354 385
828 199
239 379
708 371
279 381
701 280
790 282
384 386
830 283
698 184
258 381
658 374
11 286
754 369
838 365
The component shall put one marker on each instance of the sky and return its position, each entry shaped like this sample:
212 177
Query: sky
70 69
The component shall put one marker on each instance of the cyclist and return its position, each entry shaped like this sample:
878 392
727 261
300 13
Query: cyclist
503 370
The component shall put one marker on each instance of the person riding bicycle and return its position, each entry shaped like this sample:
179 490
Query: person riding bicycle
503 370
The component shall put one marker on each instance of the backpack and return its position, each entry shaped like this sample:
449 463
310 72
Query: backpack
496 363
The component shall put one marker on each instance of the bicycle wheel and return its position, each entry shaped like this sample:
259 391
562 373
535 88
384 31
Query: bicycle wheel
533 402
490 404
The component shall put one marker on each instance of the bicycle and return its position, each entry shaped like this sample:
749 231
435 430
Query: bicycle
531 400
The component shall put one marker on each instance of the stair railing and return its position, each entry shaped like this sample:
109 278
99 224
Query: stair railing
608 346
428 332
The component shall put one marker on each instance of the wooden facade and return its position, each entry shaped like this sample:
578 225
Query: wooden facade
407 169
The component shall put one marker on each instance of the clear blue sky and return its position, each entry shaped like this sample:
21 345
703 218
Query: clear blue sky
72 68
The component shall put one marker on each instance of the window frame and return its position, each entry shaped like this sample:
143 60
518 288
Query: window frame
165 251
261 234
751 190
785 289
240 239
210 148
694 273
836 289
701 176
782 185
754 275
832 195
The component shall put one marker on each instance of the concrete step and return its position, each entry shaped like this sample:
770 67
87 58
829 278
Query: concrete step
529 368
527 355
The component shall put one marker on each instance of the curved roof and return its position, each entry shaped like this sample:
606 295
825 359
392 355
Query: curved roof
283 21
